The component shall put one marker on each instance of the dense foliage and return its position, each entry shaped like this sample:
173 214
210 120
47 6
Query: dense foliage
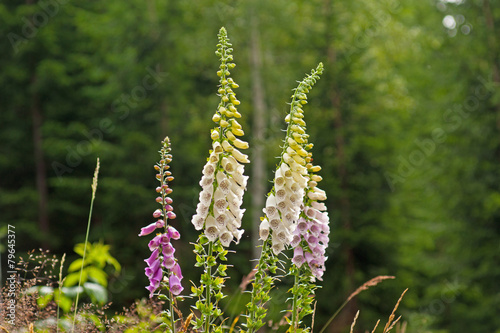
406 126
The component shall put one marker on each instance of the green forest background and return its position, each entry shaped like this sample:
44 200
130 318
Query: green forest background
405 121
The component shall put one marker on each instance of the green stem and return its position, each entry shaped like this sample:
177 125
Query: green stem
94 189
208 296
172 311
83 261
258 275
295 309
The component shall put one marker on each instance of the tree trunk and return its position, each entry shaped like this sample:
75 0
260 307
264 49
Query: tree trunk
41 174
346 316
493 55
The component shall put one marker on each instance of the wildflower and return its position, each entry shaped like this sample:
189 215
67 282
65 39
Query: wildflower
283 205
313 229
175 285
162 250
223 182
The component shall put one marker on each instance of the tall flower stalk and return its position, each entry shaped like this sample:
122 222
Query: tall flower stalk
284 201
223 184
163 270
309 241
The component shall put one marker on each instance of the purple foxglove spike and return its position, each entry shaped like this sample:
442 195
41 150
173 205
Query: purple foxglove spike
148 229
175 285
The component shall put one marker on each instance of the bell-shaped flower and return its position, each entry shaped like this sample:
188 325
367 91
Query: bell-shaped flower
237 233
211 230
168 250
177 270
224 185
264 229
298 256
173 233
209 169
174 284
206 195
151 227
220 203
229 164
221 219
202 210
152 258
198 221
239 156
168 262
225 238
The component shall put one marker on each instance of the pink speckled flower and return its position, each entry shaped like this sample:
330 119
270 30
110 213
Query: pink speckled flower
162 261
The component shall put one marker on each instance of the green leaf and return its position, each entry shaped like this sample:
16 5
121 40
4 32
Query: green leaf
43 300
72 291
98 275
80 247
63 301
75 265
73 278
96 292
